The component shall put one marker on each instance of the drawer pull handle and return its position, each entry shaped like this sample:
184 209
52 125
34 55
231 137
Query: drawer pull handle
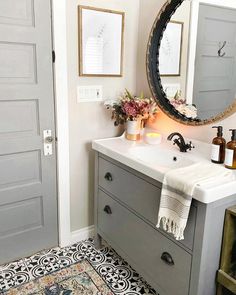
107 209
108 176
166 257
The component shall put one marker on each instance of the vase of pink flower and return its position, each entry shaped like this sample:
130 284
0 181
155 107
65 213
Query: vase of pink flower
133 130
132 111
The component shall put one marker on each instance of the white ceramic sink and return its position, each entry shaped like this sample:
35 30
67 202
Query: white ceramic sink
158 157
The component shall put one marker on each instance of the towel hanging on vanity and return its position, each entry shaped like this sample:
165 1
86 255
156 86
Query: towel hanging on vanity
177 193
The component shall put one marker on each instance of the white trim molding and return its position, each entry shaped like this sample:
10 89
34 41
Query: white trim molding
62 120
82 234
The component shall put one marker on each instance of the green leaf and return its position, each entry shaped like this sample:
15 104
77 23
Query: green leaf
128 94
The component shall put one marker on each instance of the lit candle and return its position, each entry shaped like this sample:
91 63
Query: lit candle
153 138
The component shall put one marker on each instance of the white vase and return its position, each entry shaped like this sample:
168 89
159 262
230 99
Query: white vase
133 130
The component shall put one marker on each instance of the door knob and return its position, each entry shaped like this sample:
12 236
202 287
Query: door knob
48 139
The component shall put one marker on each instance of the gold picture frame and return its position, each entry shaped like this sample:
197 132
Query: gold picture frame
100 56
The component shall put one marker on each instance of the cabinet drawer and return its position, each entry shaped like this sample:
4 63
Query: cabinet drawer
145 246
139 195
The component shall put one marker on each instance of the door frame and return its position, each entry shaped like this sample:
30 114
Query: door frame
59 34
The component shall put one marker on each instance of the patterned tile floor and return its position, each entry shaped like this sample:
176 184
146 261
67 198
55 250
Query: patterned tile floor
121 278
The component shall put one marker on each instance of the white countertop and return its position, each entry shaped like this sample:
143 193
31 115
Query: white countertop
120 149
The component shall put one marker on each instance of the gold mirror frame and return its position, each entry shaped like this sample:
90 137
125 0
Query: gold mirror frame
153 74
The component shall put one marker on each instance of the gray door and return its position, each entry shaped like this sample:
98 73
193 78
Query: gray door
28 202
214 82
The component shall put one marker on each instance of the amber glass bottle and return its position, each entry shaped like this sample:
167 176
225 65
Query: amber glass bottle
218 147
230 157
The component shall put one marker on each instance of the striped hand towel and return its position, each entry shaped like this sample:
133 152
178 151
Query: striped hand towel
177 193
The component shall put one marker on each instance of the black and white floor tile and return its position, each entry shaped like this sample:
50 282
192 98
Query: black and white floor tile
121 278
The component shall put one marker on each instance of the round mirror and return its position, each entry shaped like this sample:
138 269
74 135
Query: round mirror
191 61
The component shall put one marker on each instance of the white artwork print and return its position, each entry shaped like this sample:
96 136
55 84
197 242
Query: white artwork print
101 42
170 50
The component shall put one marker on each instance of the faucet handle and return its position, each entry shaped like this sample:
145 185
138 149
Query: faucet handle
190 146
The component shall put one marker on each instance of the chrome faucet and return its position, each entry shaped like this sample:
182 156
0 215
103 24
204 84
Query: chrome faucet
180 142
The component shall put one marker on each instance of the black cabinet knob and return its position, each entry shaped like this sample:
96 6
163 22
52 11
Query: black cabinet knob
107 209
108 176
166 257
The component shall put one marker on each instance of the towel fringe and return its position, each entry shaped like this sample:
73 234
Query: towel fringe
171 226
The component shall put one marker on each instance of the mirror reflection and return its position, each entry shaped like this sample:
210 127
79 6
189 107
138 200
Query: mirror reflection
197 59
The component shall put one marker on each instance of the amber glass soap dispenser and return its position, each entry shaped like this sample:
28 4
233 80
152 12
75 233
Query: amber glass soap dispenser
218 147
230 156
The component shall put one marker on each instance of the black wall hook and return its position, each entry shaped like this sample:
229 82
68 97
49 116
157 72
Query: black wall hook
220 54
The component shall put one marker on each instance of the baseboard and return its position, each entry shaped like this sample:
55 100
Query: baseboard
82 234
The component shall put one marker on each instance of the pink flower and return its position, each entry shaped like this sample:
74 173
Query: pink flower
130 108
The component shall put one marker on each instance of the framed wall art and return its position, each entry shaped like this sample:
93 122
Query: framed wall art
170 50
101 41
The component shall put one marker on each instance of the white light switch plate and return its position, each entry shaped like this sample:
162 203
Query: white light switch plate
89 93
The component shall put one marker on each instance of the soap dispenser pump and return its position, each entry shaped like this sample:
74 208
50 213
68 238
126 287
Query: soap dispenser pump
218 147
230 157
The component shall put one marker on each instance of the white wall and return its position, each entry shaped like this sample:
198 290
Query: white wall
148 11
88 121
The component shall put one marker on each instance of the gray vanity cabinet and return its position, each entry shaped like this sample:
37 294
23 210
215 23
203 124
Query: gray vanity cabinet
126 208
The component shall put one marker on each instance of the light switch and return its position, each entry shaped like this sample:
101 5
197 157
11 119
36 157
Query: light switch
89 93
